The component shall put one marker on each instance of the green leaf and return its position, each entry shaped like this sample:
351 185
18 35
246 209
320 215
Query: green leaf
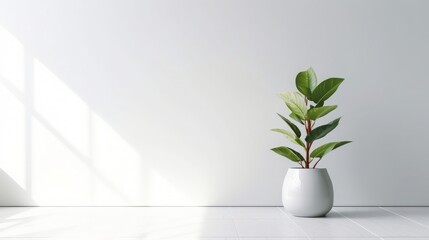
306 82
295 102
325 89
318 112
294 128
326 148
296 118
320 104
322 131
289 135
301 158
339 144
289 153
322 150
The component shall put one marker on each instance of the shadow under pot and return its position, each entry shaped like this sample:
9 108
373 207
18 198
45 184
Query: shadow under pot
307 192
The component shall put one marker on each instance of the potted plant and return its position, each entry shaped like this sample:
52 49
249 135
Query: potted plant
307 190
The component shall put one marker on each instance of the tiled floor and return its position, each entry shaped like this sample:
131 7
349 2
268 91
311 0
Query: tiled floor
211 223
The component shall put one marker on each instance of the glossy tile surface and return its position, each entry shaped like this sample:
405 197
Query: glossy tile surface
211 223
419 215
383 223
333 225
268 228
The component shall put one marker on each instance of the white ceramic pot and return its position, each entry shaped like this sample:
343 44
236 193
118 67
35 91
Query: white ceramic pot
308 192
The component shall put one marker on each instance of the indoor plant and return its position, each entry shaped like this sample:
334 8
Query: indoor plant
307 190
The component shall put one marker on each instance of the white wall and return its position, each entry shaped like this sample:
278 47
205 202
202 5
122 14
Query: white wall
171 102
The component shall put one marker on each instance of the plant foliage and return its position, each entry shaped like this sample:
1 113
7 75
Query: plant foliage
304 112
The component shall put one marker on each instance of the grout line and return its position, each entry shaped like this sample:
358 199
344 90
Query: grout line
306 235
404 217
353 221
233 222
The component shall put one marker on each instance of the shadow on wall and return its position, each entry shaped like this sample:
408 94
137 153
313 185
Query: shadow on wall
56 150
11 193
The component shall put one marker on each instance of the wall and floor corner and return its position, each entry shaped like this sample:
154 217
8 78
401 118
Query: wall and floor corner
159 103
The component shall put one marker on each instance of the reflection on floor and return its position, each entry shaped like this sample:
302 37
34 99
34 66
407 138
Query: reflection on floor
211 223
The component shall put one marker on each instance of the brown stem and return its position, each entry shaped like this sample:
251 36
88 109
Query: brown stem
308 144
307 160
308 126
317 162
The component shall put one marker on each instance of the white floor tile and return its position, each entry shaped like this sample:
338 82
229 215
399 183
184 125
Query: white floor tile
255 213
178 238
169 229
333 225
185 212
417 214
383 223
268 228
201 223
293 238
276 238
115 222
412 238
344 238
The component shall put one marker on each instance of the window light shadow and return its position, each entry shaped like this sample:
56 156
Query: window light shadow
58 149
12 194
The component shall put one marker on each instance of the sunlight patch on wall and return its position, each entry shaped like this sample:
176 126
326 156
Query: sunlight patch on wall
59 176
86 160
61 108
11 59
67 154
12 120
103 168
12 136
115 158
162 193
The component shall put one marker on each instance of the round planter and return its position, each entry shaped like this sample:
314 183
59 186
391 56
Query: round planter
307 192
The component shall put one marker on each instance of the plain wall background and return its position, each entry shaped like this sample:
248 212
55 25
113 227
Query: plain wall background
171 102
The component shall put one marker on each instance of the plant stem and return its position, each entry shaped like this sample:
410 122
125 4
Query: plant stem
317 162
308 145
307 160
308 127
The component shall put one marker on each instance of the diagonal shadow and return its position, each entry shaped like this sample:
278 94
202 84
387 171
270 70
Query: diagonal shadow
133 172
84 159
65 142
